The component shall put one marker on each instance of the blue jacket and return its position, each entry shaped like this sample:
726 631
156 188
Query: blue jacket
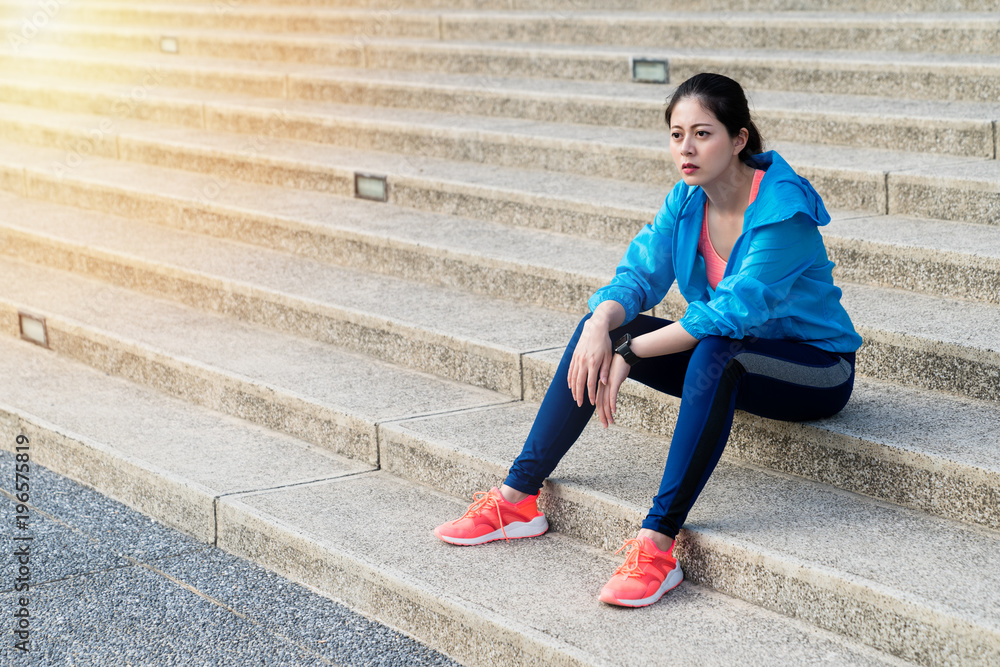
778 282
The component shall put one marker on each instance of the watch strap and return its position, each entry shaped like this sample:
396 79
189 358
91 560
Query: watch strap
623 346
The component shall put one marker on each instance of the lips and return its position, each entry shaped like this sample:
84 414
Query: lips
689 168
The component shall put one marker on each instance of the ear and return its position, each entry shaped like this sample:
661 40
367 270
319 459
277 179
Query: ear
740 141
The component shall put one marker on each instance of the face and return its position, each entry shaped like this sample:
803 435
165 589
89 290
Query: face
700 145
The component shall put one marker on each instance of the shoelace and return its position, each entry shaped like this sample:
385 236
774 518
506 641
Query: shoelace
481 502
635 559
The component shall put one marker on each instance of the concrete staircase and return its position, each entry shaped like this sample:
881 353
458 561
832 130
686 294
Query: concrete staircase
240 347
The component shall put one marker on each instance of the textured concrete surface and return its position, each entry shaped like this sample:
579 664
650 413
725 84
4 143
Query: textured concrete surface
110 585
972 78
231 163
167 458
908 446
851 178
900 327
149 70
820 30
300 387
529 266
740 515
963 192
929 256
478 604
916 75
924 126
644 5
439 333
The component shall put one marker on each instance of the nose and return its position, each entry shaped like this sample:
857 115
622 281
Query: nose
687 148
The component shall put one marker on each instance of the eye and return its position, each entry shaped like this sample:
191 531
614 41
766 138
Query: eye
702 133
675 135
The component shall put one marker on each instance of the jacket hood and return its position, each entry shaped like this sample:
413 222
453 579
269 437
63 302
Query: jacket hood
782 194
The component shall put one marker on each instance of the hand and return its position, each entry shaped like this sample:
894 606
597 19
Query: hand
607 392
591 362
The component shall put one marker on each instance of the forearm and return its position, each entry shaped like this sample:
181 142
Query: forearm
667 340
609 315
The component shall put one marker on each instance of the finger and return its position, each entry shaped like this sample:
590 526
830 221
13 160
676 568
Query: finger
613 399
571 376
592 375
606 367
601 412
580 384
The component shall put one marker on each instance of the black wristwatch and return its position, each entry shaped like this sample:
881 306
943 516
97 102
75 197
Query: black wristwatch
623 346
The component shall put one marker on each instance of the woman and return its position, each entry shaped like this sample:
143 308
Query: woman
764 331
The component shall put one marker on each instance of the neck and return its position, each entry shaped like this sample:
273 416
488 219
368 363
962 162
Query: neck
729 193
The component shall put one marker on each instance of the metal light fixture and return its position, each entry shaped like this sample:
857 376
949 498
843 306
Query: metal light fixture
369 186
646 70
33 329
169 45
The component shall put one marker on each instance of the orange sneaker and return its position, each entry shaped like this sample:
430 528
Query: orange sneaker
492 517
644 577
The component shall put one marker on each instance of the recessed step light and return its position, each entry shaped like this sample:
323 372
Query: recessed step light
169 45
645 70
33 329
369 186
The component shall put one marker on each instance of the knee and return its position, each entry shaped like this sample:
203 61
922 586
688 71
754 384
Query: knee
711 360
715 351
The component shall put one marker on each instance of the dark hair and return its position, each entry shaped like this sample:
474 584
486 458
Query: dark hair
727 101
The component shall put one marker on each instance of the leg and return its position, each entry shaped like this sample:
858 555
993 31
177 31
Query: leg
771 378
560 421
511 511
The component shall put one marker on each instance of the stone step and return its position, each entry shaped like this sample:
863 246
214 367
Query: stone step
486 256
306 389
532 267
263 142
962 33
944 6
914 448
923 76
867 122
455 334
228 490
775 540
309 390
930 256
166 458
910 338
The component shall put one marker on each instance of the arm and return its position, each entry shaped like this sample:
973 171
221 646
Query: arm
641 281
646 271
777 255
668 340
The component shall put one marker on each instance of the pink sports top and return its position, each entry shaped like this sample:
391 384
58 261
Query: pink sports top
715 266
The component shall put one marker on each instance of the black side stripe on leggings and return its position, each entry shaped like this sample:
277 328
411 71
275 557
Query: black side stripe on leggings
740 365
707 443
821 377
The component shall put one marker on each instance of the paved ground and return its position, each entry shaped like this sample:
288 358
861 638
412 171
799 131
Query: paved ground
110 586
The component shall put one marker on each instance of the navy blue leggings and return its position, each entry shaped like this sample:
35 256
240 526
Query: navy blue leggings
778 379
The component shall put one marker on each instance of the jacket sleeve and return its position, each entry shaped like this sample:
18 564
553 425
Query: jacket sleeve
758 289
646 271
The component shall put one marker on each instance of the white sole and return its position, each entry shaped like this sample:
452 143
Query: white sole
514 530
